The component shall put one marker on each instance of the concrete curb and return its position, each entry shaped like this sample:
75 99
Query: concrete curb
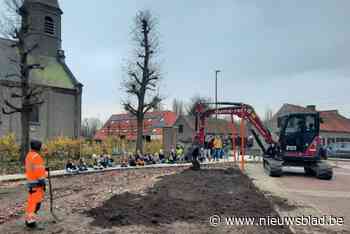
61 173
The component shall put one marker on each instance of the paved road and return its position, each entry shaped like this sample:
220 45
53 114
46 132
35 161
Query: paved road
321 197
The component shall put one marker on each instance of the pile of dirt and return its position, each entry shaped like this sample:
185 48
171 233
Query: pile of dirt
189 196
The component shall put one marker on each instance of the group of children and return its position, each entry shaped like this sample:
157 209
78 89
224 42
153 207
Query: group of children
75 167
139 159
99 163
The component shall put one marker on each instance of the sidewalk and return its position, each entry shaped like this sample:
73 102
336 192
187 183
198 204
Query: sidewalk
58 173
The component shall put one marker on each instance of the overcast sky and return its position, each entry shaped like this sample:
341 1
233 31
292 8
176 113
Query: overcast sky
270 52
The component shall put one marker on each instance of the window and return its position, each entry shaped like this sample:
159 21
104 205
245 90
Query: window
181 128
34 115
49 25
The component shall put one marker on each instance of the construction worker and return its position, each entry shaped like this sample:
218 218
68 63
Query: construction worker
217 148
35 173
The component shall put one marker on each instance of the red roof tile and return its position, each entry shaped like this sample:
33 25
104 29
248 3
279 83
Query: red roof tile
334 122
125 124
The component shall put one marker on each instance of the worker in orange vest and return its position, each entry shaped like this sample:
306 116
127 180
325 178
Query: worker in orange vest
35 173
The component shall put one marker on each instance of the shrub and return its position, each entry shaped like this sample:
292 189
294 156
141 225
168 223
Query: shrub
9 149
153 146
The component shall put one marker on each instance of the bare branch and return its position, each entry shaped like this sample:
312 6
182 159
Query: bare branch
30 50
128 107
140 55
140 66
153 104
132 89
34 92
10 85
15 95
133 75
35 66
39 103
17 109
12 60
152 78
13 75
9 112
151 89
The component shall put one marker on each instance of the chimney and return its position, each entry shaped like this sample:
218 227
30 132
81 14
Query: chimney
311 107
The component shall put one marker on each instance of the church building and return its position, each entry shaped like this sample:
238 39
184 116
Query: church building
60 114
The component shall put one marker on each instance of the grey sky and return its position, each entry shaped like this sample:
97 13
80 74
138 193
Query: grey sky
270 52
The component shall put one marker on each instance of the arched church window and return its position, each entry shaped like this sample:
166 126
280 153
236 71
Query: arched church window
49 25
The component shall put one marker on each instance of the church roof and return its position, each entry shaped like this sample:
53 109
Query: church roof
55 74
53 3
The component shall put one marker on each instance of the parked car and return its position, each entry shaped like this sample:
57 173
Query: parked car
339 150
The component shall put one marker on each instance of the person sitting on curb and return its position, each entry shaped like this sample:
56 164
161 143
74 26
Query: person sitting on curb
173 157
71 167
161 156
124 162
82 165
156 158
109 161
96 165
139 159
132 161
151 159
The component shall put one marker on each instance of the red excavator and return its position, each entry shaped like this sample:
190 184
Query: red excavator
298 145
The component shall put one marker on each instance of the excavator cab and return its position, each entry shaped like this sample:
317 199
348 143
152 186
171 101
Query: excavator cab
299 136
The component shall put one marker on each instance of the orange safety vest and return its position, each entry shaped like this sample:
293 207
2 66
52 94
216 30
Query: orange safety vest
34 167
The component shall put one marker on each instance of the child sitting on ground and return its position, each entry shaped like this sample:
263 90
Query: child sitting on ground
70 167
82 165
132 161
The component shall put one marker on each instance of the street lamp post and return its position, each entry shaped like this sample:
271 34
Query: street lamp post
216 93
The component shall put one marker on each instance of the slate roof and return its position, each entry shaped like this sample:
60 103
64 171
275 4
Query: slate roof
53 3
55 74
332 120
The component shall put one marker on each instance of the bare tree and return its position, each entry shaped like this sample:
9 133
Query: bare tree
24 95
90 126
143 72
178 107
268 118
191 108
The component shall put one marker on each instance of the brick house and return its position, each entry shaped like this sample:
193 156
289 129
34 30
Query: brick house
335 127
124 126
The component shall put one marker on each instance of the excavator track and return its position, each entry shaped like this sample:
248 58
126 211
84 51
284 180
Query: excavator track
323 170
273 167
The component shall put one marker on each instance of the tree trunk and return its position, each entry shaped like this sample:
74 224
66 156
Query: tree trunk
25 135
139 140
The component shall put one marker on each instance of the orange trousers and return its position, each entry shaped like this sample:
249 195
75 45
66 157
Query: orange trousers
35 197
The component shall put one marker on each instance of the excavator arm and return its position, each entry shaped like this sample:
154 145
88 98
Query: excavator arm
241 110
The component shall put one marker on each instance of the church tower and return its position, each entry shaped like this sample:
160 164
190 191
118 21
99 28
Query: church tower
41 20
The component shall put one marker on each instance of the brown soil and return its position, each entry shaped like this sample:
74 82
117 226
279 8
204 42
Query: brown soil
151 201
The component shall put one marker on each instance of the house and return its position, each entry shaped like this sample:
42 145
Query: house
185 126
60 115
124 126
334 127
